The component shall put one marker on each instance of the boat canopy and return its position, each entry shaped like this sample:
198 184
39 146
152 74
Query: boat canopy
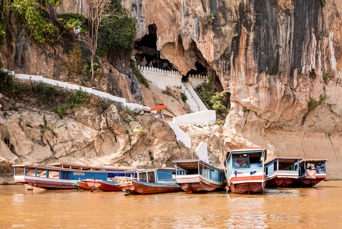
283 159
247 151
193 164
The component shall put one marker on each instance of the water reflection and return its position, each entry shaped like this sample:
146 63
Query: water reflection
283 192
247 212
276 208
17 199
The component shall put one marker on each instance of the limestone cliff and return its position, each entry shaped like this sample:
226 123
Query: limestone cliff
280 60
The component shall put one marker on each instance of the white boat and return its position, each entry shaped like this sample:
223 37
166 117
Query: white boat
245 170
282 172
198 176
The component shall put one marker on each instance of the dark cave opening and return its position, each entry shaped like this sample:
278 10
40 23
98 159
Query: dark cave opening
146 51
200 70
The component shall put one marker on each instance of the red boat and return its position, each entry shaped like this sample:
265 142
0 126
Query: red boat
109 186
311 172
92 183
83 185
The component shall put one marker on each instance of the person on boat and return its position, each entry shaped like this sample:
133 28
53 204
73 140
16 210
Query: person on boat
311 170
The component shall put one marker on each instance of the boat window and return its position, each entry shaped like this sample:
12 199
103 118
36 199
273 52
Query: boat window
286 165
143 177
241 162
164 175
320 167
151 177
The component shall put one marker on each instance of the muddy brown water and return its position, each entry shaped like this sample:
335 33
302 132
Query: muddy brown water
318 207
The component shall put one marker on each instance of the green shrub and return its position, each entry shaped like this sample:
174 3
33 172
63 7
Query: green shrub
73 22
139 75
116 32
44 90
212 98
327 75
312 104
36 18
184 97
78 98
60 110
15 106
209 19
105 104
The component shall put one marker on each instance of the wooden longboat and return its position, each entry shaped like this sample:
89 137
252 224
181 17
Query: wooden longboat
109 186
154 181
245 170
83 185
59 176
196 176
282 172
311 172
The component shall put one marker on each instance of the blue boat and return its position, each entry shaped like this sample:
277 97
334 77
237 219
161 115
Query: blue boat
195 176
62 176
282 171
154 181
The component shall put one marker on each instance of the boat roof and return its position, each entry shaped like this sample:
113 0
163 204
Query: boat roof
246 149
155 169
85 167
57 168
283 158
314 160
192 164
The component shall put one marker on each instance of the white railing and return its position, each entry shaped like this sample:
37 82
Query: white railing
180 134
194 101
199 118
69 86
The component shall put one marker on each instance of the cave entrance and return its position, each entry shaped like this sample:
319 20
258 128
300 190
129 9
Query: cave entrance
146 53
201 65
200 70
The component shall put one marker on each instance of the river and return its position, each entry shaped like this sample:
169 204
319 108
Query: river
318 207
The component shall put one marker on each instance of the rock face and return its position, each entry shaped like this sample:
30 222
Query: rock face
110 138
276 58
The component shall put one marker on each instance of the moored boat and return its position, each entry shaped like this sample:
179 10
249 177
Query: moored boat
245 170
83 185
109 186
311 172
154 181
59 176
282 171
195 176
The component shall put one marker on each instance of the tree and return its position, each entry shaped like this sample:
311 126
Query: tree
98 10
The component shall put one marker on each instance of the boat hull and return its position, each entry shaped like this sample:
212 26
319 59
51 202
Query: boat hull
108 186
197 184
46 183
247 185
281 180
309 181
83 185
153 188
